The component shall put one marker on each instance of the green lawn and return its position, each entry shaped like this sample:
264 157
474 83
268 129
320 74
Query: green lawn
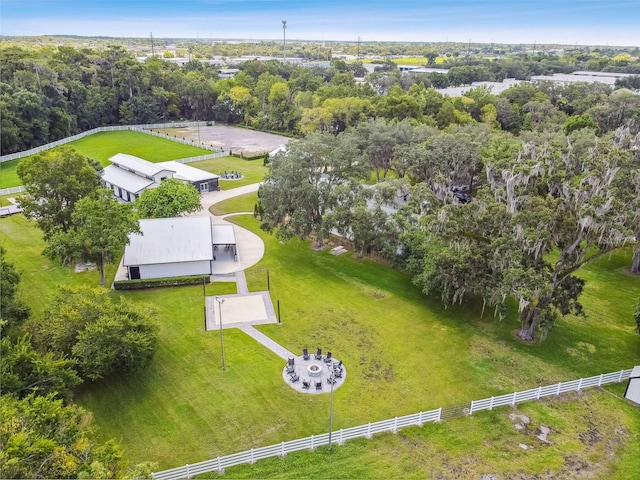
583 446
102 146
8 175
403 353
253 171
241 203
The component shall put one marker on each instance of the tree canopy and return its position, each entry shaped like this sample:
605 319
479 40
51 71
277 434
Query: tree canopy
102 336
172 198
54 182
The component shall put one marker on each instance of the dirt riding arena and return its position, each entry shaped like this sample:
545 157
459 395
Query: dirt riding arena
238 140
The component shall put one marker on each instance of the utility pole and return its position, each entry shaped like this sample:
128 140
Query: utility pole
152 51
284 40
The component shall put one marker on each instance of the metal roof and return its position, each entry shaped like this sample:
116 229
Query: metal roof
187 172
223 235
170 240
137 164
124 179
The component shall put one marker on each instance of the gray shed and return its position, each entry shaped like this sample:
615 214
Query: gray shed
633 388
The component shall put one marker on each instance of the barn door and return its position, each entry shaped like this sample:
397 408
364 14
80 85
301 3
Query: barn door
134 273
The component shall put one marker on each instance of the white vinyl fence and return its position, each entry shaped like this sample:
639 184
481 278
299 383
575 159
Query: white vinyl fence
11 190
136 128
391 425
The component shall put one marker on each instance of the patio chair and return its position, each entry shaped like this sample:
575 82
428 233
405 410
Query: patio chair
305 354
337 373
319 354
327 358
306 384
294 377
290 369
331 380
319 385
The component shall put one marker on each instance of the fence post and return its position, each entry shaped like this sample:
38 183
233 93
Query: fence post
600 380
539 392
513 399
579 384
312 445
558 389
620 376
369 431
471 408
219 465
420 422
187 470
283 452
491 404
340 441
395 425
251 456
439 415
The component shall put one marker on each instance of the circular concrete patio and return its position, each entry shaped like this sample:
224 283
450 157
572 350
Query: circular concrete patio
314 371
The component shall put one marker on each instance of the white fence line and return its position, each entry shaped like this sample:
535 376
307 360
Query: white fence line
135 128
11 190
391 425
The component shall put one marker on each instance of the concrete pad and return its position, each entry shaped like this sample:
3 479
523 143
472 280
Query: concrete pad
238 310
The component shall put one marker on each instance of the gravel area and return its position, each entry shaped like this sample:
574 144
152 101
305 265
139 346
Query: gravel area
239 140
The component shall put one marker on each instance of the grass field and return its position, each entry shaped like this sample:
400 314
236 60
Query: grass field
8 175
403 353
241 203
583 446
253 171
103 145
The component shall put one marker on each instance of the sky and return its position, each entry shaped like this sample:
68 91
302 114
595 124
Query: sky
583 22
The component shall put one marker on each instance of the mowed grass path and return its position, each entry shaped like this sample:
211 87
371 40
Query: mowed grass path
403 352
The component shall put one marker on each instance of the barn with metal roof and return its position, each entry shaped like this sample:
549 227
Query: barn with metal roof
177 246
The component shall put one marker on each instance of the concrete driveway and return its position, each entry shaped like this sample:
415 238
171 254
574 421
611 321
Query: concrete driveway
249 246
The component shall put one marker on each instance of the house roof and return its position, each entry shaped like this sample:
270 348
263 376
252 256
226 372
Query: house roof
124 179
170 240
136 164
223 235
186 172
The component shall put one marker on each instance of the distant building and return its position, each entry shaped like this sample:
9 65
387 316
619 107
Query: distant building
129 176
495 87
227 72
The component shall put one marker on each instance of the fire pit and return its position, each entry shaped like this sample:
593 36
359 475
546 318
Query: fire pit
314 370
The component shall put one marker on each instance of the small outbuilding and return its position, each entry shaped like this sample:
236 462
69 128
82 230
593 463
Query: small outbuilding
177 246
633 388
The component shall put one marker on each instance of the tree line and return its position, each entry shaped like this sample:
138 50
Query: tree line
469 211
48 93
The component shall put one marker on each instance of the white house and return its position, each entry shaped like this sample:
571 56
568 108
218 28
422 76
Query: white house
129 176
178 246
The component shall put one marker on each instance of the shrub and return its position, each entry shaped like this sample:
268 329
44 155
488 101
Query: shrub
157 282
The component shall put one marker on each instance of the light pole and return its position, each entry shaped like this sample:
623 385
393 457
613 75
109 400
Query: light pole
284 40
332 380
220 302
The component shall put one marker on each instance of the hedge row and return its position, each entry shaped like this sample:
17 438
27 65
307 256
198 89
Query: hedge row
252 157
157 282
